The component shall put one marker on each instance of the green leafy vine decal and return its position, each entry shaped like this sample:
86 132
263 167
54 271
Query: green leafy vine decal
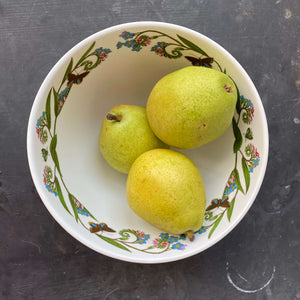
46 126
170 47
249 159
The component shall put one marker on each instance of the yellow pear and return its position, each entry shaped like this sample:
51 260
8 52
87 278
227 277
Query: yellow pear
191 106
165 188
125 134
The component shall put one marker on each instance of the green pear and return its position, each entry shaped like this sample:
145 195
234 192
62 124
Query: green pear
165 188
125 134
191 107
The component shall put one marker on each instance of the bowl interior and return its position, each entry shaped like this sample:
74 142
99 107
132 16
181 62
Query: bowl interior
87 197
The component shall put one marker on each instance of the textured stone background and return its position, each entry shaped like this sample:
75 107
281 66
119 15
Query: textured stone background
39 260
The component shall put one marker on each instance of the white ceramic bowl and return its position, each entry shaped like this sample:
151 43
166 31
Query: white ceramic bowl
120 65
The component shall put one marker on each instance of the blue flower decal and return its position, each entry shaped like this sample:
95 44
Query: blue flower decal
40 119
129 43
248 102
178 246
159 48
134 41
48 180
230 189
40 128
182 237
50 189
248 110
101 50
142 237
254 159
172 239
136 47
102 53
83 211
256 162
201 230
164 235
141 241
126 35
63 93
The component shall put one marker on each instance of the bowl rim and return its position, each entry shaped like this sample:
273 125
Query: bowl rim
65 224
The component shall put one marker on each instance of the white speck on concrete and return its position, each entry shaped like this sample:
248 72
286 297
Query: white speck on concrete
116 8
296 121
287 13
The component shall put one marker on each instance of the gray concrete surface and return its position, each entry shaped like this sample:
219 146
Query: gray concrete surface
259 259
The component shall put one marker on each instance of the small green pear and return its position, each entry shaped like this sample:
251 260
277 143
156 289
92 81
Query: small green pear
125 134
165 188
191 106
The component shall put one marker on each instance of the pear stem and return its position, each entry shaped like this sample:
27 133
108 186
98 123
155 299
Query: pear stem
112 117
190 235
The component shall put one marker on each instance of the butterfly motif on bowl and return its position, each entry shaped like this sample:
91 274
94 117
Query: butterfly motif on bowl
99 227
200 62
76 78
218 203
